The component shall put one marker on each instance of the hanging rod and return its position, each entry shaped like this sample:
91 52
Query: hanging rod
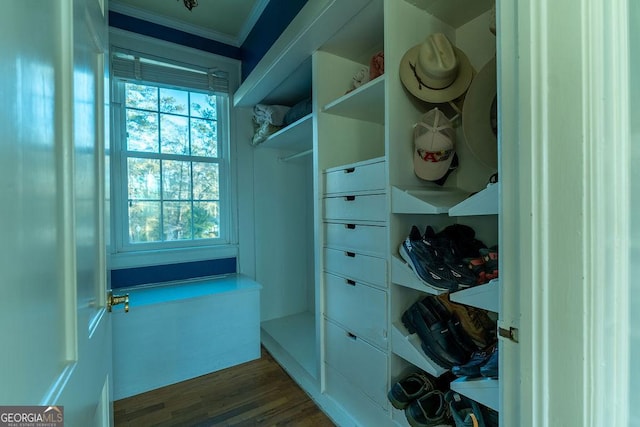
296 155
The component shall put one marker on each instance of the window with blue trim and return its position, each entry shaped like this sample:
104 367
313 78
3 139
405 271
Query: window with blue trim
171 157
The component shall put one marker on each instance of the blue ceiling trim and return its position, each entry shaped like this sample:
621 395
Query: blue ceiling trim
139 26
273 21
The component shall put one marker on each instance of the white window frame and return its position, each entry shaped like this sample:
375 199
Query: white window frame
124 254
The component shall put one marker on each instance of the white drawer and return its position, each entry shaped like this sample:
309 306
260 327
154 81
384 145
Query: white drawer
358 361
360 308
356 266
363 176
359 406
353 207
366 239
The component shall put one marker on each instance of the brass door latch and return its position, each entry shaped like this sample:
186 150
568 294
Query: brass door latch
117 299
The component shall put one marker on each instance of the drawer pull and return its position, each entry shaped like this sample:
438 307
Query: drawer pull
352 336
349 170
350 254
350 226
349 198
350 282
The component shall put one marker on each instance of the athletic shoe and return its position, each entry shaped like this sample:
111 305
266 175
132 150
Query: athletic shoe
465 412
472 368
424 262
490 368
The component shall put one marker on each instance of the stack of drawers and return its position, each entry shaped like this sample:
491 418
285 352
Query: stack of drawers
355 285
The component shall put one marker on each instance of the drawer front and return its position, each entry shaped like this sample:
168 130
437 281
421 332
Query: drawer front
360 308
366 239
358 361
360 406
357 177
356 266
362 208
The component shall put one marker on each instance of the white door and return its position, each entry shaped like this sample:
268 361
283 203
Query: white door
55 331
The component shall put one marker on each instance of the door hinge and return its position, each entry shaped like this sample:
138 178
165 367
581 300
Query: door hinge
510 333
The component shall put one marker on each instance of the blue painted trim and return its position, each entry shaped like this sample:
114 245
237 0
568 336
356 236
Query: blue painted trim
274 20
135 25
127 277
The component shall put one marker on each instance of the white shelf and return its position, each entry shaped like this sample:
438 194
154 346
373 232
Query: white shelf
316 23
408 346
484 202
485 296
424 201
403 275
297 136
482 390
364 103
296 335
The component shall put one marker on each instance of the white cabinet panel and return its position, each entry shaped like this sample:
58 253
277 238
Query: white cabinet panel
356 266
352 207
365 239
360 308
363 176
358 361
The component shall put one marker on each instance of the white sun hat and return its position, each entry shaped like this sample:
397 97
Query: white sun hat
479 116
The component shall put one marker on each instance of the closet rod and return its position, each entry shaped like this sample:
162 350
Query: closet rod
296 155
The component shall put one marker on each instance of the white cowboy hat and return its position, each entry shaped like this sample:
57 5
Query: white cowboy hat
479 118
436 71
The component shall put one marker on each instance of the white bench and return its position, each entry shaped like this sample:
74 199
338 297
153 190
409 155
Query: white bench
174 332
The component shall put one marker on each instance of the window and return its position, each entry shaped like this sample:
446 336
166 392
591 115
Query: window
171 155
173 164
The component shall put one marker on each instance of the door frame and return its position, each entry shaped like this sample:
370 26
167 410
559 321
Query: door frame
564 84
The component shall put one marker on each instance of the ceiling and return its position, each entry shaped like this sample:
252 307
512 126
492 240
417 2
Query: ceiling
225 21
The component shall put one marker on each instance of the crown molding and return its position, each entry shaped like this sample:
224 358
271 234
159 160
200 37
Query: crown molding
251 20
177 24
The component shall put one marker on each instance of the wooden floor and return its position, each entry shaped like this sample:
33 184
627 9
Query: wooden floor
258 393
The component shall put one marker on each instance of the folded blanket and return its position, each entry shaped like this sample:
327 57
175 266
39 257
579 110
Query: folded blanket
360 78
270 114
298 111
262 131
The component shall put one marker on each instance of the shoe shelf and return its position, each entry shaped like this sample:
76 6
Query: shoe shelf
484 202
297 136
482 390
424 201
403 275
486 296
408 346
364 103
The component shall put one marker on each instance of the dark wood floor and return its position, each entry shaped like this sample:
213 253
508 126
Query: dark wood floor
258 393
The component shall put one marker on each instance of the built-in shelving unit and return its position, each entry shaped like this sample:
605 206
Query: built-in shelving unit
486 297
482 390
298 136
422 200
408 346
364 103
484 202
402 274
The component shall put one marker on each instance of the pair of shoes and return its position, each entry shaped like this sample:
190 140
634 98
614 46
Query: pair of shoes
426 262
465 412
475 321
410 388
430 410
485 266
482 363
441 338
